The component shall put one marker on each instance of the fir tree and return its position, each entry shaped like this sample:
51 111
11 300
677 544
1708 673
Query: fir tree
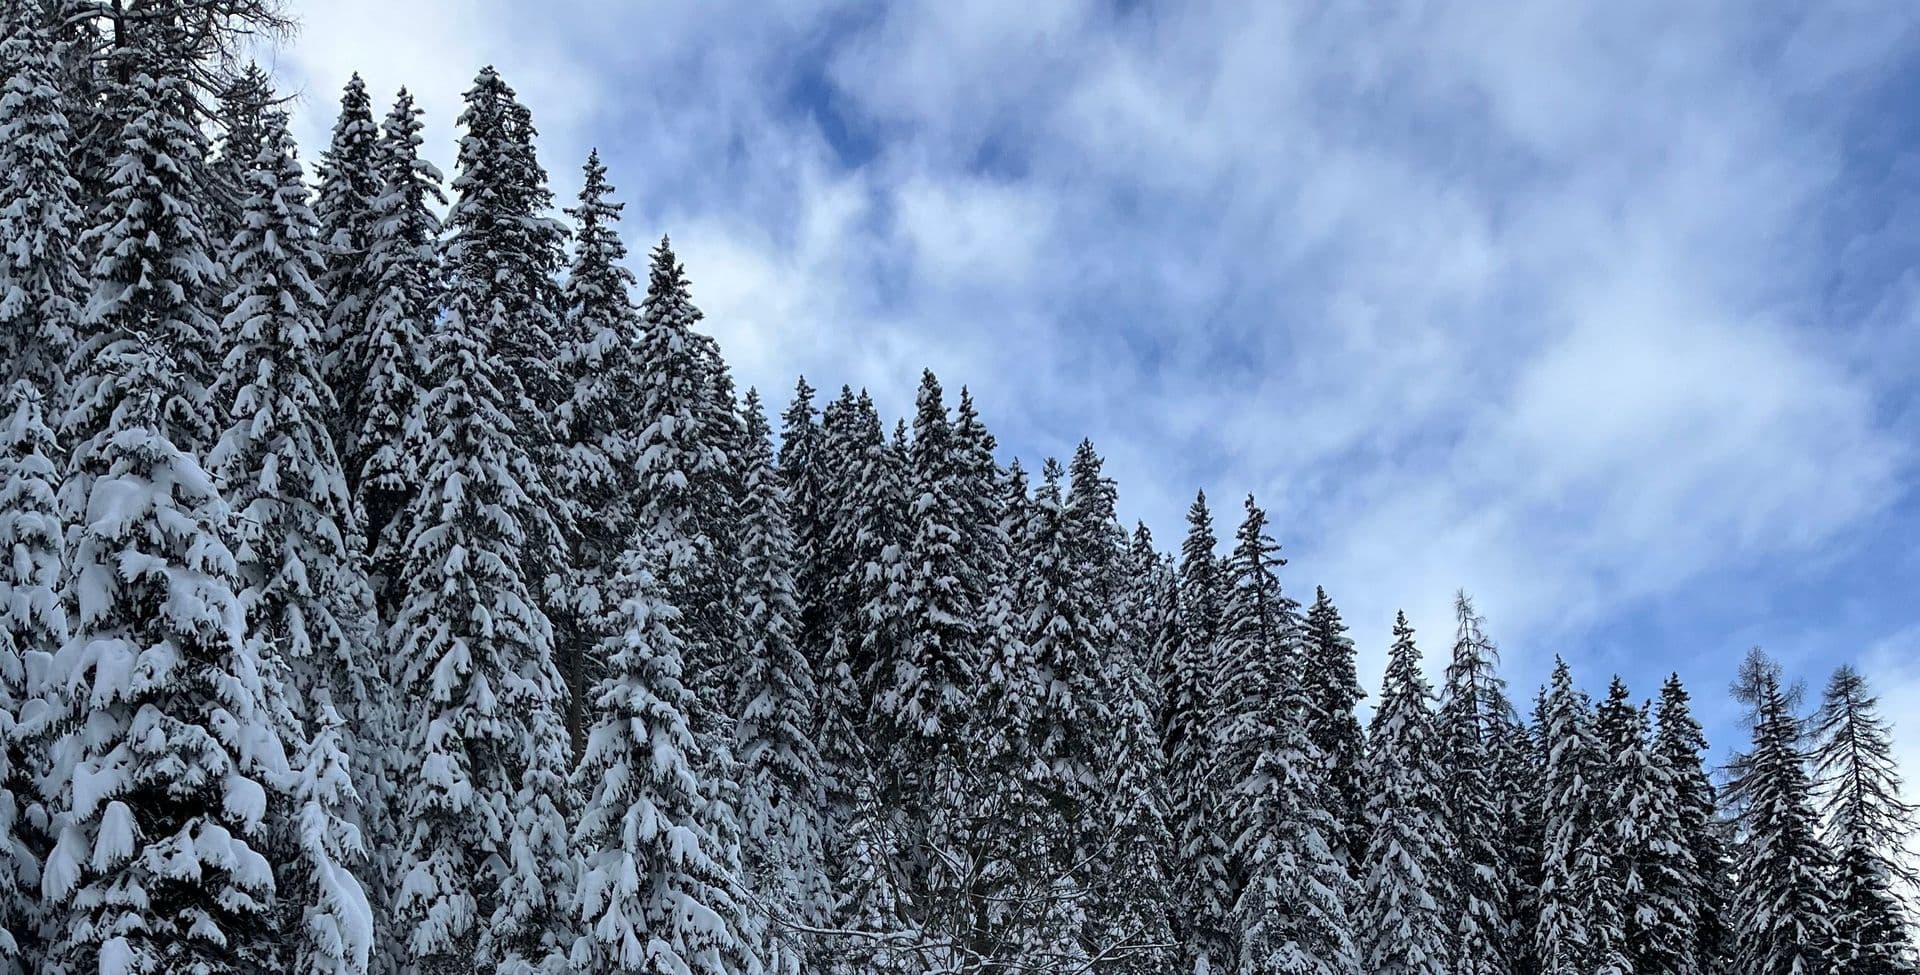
1259 636
600 422
802 442
780 774
1333 691
403 269
1402 928
1650 864
1190 742
306 603
41 286
1867 829
484 872
245 101
32 628
1579 926
350 181
1783 906
1678 745
657 893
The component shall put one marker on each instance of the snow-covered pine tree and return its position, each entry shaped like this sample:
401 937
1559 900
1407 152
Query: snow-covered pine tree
153 277
1579 926
1867 827
600 424
1333 691
245 101
403 268
1259 638
801 444
349 191
501 256
1679 744
1402 928
41 213
1517 775
781 793
33 625
307 604
1192 696
170 762
1466 725
485 875
925 691
1783 905
1640 819
658 891
1292 912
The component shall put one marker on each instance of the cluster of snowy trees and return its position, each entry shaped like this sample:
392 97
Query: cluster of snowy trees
394 583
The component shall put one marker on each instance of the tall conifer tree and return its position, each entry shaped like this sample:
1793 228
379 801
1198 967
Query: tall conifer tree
1403 930
1867 827
41 213
1783 906
1332 686
350 183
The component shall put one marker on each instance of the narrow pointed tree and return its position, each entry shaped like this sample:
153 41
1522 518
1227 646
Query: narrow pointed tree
1402 928
600 422
1868 827
1259 634
306 603
1680 745
403 267
33 625
1466 727
1651 866
245 101
802 442
41 215
1190 744
1579 926
350 182
1783 906
657 893
485 870
780 763
1332 685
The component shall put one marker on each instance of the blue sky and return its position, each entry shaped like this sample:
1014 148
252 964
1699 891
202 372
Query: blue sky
1603 311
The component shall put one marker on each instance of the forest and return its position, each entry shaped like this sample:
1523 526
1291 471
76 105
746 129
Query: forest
396 582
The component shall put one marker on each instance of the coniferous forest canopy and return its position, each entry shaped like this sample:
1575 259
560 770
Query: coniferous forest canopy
396 582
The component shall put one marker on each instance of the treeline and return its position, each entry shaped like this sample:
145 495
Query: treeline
395 583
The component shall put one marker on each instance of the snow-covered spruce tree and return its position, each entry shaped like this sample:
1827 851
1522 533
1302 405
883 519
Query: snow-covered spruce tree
1579 927
801 443
1194 781
306 602
485 873
1783 905
1867 827
41 213
658 889
33 625
925 691
1259 634
1292 913
153 274
1650 865
501 256
1466 726
350 182
1402 928
1678 744
170 763
781 793
403 266
1332 685
1517 780
599 423
245 101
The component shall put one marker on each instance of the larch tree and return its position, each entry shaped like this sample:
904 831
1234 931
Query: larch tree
306 604
1467 725
1783 905
1403 929
1867 827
